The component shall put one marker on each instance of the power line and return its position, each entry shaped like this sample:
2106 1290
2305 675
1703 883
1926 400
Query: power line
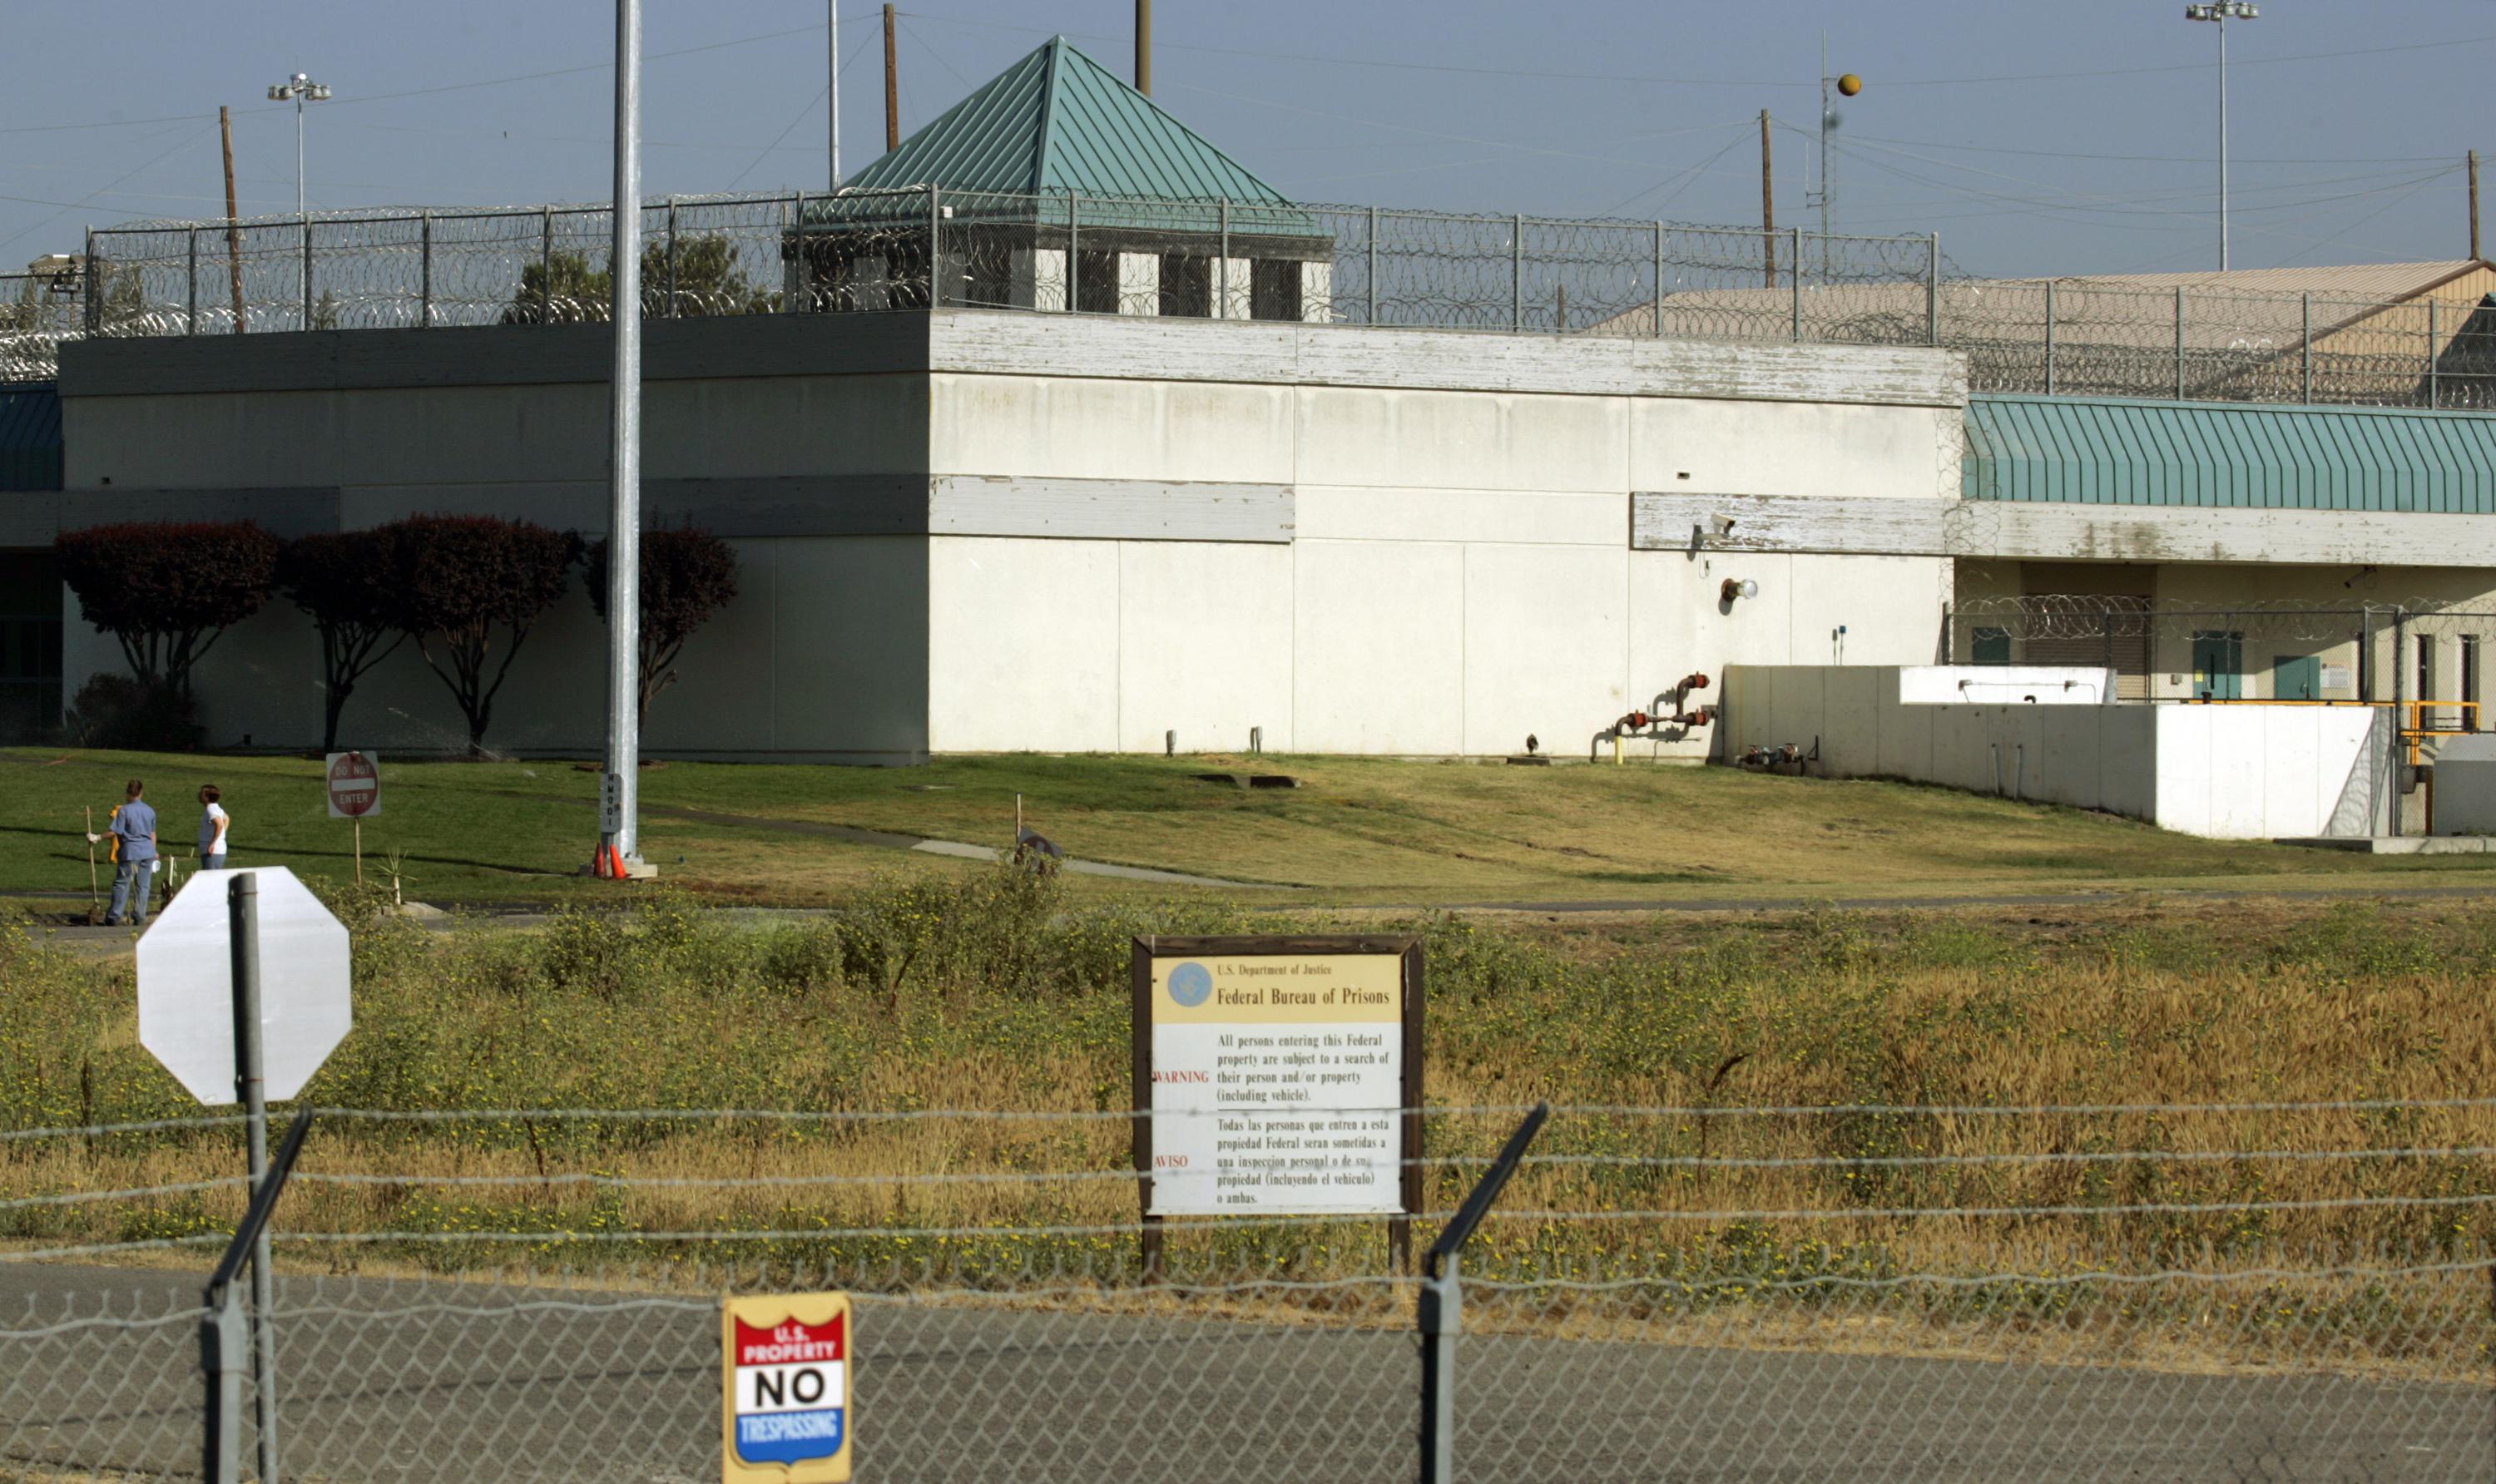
180 144
2060 154
1708 81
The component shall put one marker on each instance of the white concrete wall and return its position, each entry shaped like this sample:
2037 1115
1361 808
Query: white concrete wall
2230 772
2043 685
1459 577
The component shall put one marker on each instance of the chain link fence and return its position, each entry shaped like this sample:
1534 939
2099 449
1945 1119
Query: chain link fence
2222 1291
863 251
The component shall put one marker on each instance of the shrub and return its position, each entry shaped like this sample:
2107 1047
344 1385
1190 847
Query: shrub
118 712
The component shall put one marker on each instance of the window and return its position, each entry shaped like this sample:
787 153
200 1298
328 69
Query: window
1187 285
1096 281
2426 680
1992 646
2469 682
30 646
1274 289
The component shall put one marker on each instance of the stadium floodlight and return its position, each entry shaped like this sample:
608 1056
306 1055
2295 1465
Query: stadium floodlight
300 90
2220 12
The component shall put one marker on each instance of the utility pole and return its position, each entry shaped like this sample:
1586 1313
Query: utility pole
891 90
832 85
2222 12
1145 47
1767 200
619 801
234 228
2473 205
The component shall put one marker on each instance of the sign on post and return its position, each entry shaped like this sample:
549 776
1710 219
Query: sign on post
355 786
785 1389
1283 1076
186 989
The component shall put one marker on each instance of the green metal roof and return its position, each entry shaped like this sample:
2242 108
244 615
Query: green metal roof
30 437
1057 122
2107 451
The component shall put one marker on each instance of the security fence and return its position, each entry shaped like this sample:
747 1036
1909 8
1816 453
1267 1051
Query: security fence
2222 1292
2413 652
864 251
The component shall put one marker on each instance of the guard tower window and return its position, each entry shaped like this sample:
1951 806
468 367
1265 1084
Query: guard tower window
1096 281
1187 285
1274 289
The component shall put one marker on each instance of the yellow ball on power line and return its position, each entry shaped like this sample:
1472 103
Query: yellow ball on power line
1850 84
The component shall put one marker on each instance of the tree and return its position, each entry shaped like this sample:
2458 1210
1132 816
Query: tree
687 576
709 280
464 585
167 589
344 582
561 290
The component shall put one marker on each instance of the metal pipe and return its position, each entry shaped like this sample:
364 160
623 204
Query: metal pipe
2306 338
1075 252
1795 252
425 272
619 827
935 245
672 311
1658 324
1222 273
307 272
191 299
2434 362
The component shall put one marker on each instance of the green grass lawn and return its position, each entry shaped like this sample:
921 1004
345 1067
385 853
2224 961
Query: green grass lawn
1360 831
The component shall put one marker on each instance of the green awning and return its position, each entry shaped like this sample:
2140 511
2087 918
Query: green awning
2107 451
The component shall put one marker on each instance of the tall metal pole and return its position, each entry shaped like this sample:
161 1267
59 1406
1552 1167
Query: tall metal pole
833 63
2222 141
620 801
2474 205
2223 12
299 152
1824 143
1145 47
243 928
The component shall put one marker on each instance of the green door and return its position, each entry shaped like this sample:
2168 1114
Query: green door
2218 665
2296 677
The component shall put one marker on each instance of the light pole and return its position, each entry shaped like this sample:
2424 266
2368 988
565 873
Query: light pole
302 90
2222 12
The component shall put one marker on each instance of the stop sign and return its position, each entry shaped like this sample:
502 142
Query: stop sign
355 786
186 985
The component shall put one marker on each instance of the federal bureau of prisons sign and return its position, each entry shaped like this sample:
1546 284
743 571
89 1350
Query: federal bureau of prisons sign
785 1369
1278 1075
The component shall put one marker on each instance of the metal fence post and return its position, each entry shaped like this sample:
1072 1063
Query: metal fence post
2179 342
1373 265
2305 336
1517 272
307 272
2049 338
1796 249
1659 275
1075 252
935 242
1933 288
1440 1314
2434 362
224 1337
425 272
1222 274
90 278
671 312
191 299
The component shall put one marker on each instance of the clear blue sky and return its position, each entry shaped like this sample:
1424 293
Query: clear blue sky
2071 137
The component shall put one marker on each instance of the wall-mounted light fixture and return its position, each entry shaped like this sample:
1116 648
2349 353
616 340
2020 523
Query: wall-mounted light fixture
1737 587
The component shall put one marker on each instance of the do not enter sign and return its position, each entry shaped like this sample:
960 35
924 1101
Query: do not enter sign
355 786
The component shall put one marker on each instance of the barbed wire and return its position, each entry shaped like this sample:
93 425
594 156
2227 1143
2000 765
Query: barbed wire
731 254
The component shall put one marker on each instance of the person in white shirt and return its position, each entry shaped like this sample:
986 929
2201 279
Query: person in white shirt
212 829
